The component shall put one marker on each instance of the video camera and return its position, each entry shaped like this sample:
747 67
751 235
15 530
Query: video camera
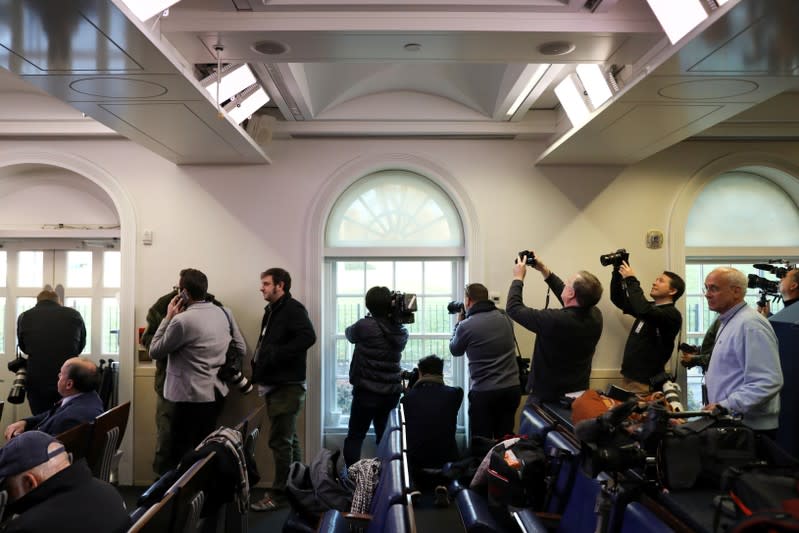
403 306
768 287
615 258
20 368
774 267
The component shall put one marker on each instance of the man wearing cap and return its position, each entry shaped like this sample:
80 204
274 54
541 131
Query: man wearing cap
47 493
77 385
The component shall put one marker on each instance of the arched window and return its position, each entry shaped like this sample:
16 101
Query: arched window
741 218
397 229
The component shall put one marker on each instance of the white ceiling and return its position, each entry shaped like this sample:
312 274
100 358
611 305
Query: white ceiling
364 68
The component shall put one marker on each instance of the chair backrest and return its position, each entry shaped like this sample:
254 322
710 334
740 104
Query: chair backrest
564 462
532 423
76 440
253 420
107 435
191 492
390 446
2 404
158 518
639 518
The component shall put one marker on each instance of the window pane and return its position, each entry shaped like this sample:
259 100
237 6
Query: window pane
110 340
350 277
3 268
380 273
23 304
409 276
394 208
112 269
30 271
84 307
79 269
438 277
348 311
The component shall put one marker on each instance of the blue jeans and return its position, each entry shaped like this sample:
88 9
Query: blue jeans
367 407
283 405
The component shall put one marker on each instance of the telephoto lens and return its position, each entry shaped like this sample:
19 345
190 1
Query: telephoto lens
454 308
240 380
17 393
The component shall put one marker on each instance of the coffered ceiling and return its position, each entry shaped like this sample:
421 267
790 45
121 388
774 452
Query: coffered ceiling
379 68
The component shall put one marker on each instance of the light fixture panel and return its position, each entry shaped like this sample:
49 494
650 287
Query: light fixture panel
247 105
147 9
571 99
678 17
595 84
234 80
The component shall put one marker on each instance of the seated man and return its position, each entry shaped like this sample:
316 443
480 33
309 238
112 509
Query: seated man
431 414
47 493
77 385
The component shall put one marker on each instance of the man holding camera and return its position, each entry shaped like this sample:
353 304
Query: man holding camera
485 335
566 338
789 290
744 375
375 372
50 334
194 337
657 323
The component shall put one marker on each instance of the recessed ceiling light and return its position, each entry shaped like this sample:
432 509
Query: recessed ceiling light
556 48
270 48
412 47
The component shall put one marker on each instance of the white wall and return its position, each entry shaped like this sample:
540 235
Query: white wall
232 222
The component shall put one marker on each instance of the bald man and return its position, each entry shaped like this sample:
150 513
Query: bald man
744 375
77 385
47 493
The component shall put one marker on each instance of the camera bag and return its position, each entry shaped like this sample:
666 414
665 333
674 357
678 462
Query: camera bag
517 474
701 450
315 488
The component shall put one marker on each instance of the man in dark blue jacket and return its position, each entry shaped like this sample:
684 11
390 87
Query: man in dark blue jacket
431 415
77 385
279 368
375 372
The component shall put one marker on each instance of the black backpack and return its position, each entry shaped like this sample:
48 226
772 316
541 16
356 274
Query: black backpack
517 475
321 486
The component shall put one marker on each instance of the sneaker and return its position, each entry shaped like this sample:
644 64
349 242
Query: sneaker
266 504
441 496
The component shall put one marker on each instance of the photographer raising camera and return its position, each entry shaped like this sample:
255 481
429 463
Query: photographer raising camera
651 340
375 372
485 335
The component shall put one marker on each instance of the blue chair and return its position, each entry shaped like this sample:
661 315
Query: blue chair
564 463
639 518
390 446
532 423
474 512
389 492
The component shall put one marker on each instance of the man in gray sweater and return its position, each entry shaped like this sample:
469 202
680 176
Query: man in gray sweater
485 335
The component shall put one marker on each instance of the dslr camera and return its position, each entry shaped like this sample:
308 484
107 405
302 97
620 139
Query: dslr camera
531 262
403 306
615 258
409 378
20 368
455 308
235 378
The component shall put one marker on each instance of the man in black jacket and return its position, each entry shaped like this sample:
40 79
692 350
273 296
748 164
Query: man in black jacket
49 494
431 416
375 372
565 338
657 323
279 368
50 334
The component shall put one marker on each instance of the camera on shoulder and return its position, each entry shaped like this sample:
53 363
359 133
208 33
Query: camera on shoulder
403 306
